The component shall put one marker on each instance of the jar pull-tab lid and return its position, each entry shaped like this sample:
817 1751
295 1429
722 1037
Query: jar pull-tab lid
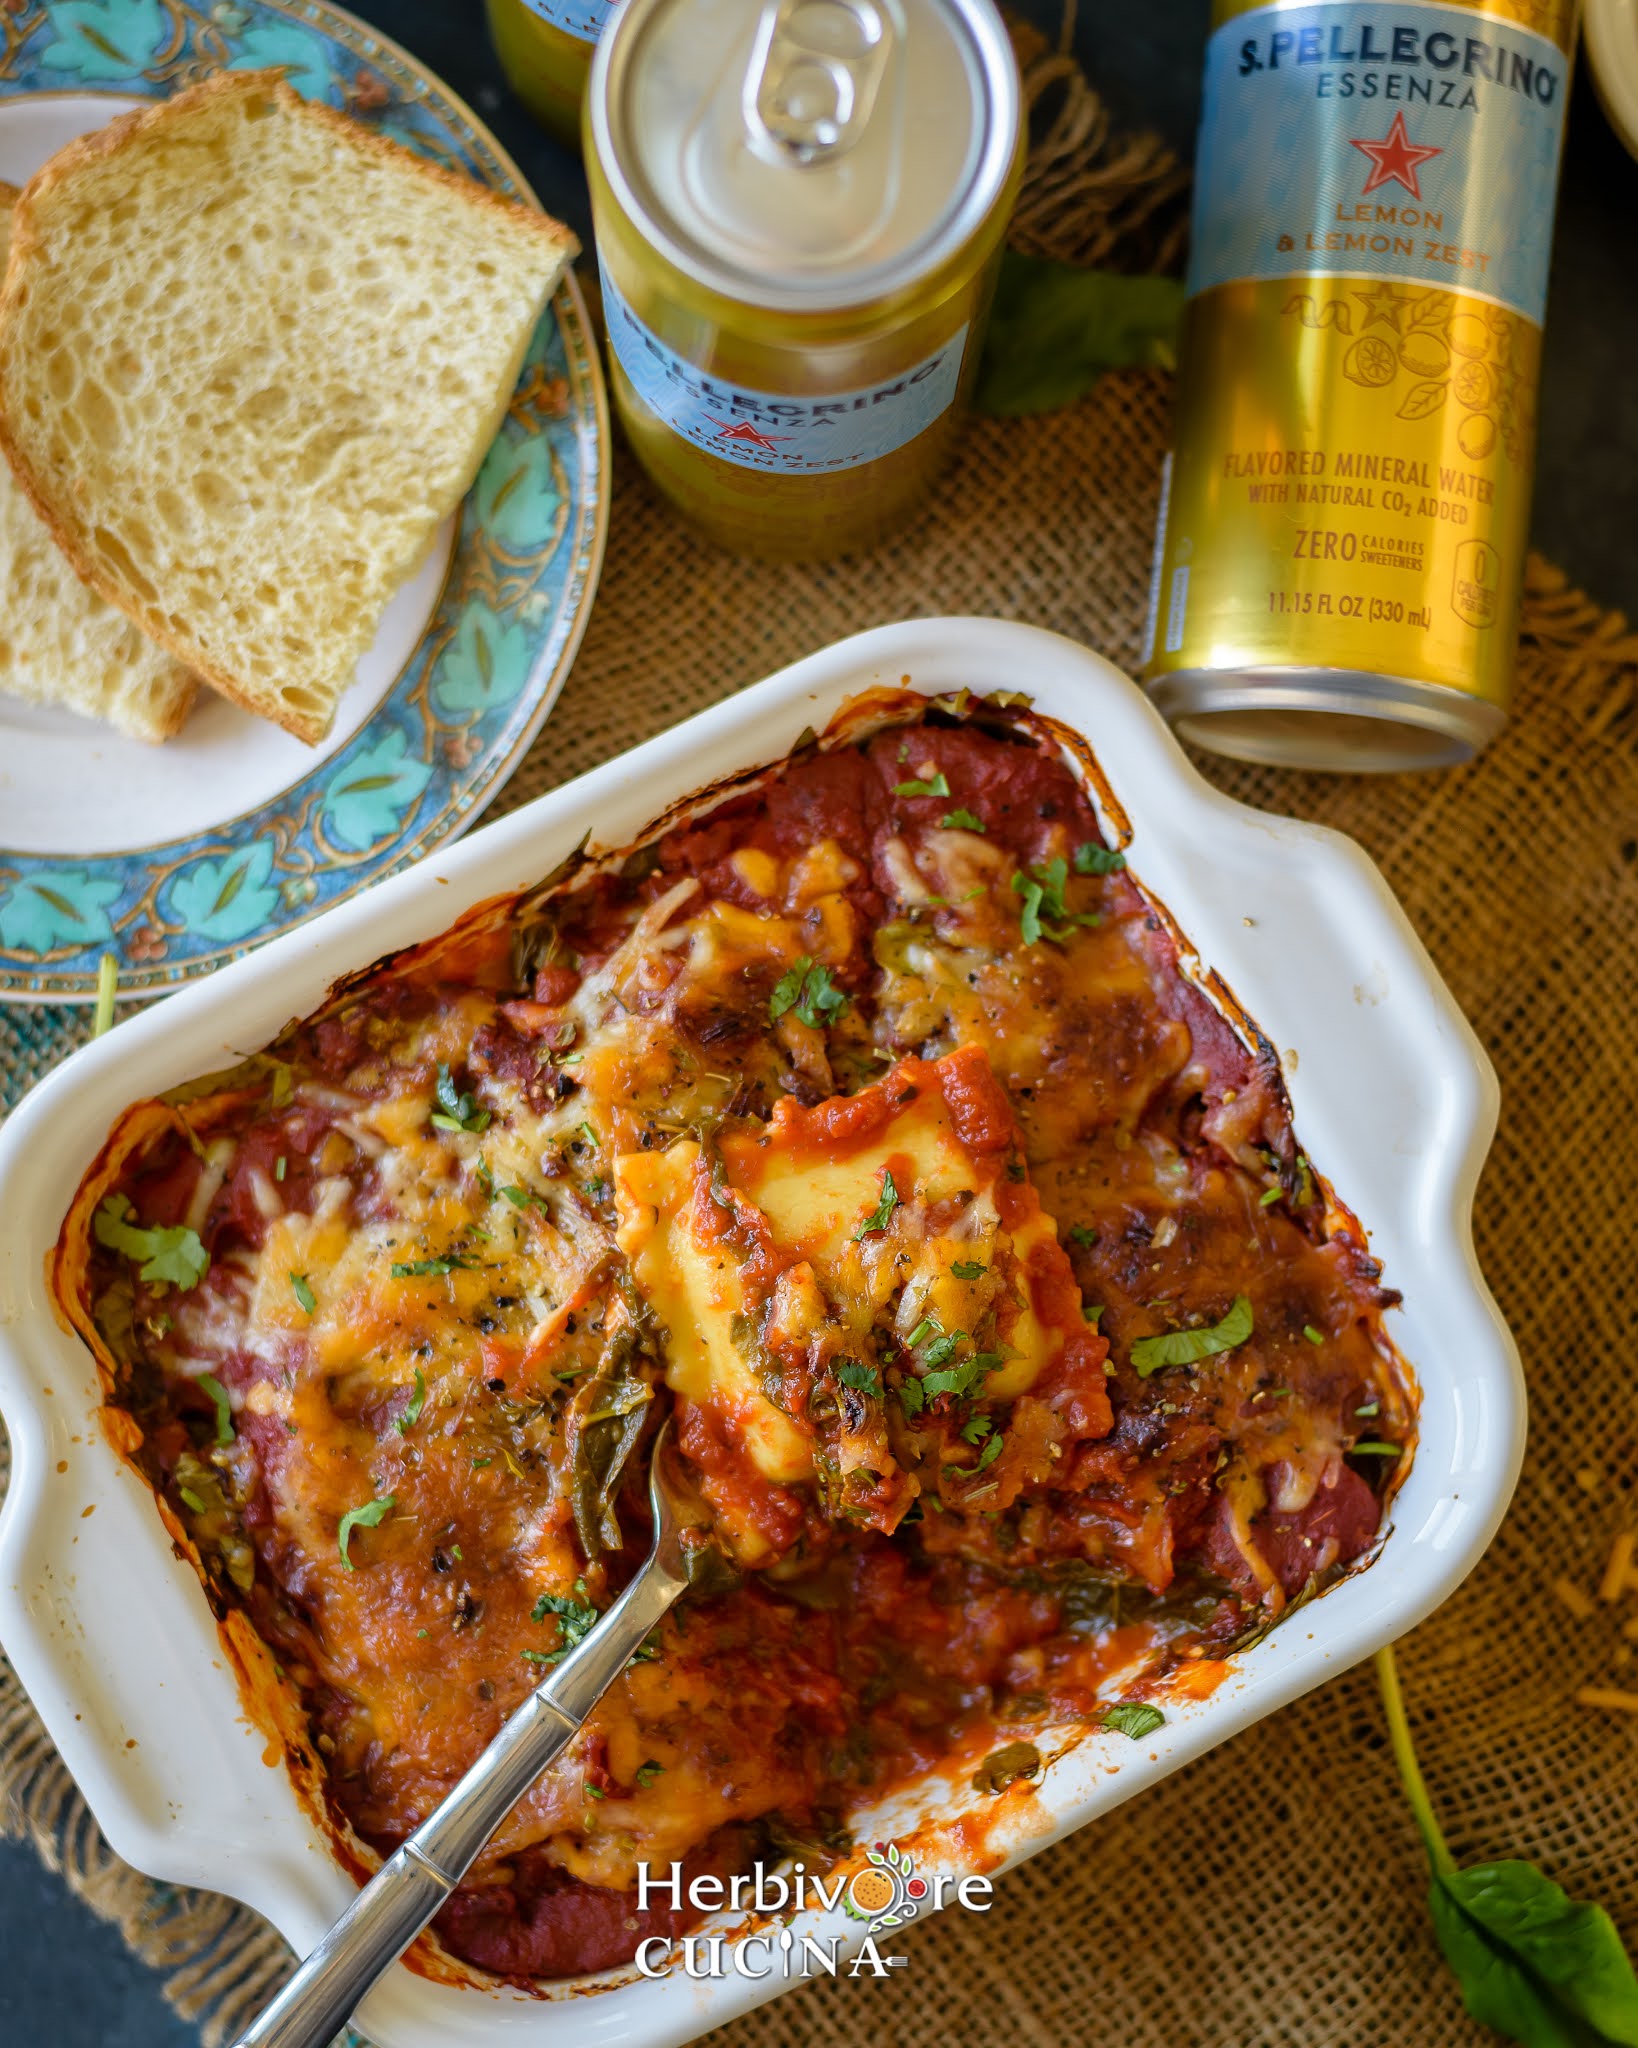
816 68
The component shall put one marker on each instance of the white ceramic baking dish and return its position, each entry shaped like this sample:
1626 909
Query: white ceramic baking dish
1393 1097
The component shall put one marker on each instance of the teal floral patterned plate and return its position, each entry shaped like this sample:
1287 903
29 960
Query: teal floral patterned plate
176 858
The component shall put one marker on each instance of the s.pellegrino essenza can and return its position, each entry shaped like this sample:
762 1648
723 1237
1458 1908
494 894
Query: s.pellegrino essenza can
1343 517
545 48
799 209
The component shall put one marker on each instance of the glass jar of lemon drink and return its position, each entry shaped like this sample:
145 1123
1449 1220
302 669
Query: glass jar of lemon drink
545 48
799 210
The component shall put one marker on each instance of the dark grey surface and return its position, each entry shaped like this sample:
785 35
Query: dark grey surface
66 1981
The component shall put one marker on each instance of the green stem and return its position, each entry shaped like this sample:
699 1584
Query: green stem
107 984
1410 1771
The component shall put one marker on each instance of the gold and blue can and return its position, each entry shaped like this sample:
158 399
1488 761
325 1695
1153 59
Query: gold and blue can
546 48
1344 514
799 209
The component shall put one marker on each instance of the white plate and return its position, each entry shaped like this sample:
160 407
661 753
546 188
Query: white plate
1610 28
174 858
1393 1097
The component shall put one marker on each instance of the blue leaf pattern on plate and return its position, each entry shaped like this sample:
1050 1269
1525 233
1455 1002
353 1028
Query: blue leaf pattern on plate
459 715
371 792
227 899
59 907
303 58
485 664
517 494
104 38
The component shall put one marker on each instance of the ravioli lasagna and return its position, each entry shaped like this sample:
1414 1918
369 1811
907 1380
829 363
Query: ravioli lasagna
863 1120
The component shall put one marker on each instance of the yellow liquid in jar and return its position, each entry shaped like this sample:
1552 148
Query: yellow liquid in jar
796 516
546 67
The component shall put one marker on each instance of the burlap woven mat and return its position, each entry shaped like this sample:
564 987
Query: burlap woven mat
1270 1896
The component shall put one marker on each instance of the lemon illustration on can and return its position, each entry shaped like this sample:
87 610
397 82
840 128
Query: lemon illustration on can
1468 335
1371 361
1474 386
1476 435
1425 354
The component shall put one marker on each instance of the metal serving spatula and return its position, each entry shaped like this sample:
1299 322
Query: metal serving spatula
417 1878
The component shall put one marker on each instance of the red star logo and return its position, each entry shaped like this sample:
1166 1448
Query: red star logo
1395 158
742 430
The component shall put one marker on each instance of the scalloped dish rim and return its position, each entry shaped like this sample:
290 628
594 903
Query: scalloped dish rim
1391 1090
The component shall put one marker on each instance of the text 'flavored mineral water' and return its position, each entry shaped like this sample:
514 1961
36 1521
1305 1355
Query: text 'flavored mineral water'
1344 513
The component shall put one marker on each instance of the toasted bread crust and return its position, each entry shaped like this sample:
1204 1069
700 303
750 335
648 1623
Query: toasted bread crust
156 713
41 491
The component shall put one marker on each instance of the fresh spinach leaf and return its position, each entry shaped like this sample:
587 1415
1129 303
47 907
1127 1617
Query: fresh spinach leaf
1055 329
1543 1969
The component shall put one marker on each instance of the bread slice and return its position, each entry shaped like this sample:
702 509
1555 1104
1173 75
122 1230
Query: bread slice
59 642
251 354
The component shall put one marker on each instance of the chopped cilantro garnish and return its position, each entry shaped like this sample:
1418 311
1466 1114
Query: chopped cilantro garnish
648 1772
962 821
1269 1197
302 1292
457 1112
927 1327
882 1214
941 1347
537 1656
865 1377
808 990
1372 1447
594 1792
278 1167
1081 1235
576 1618
968 1269
911 1398
960 1379
1098 860
486 1180
1133 1718
1370 1408
524 1198
191 1500
1045 914
1188 1347
417 1401
224 1407
991 1451
977 1427
367 1517
590 1134
1314 1336
170 1253
934 785
430 1269
1093 1314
